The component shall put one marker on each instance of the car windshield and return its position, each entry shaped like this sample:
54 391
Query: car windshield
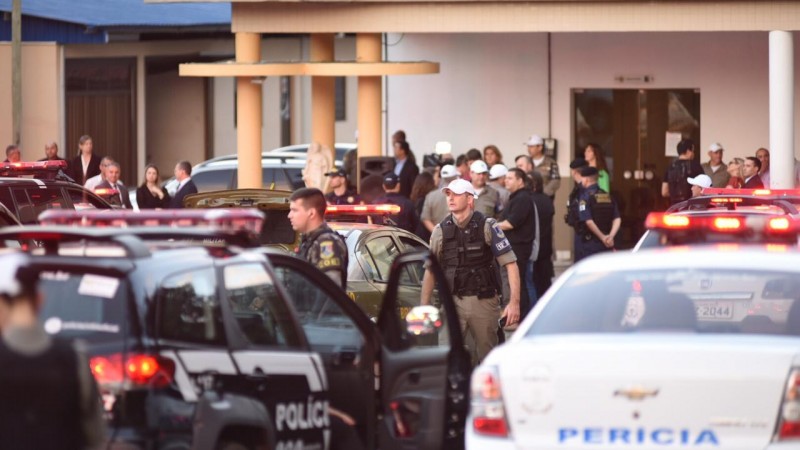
685 300
86 306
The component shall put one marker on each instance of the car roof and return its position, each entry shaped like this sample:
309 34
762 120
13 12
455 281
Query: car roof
710 256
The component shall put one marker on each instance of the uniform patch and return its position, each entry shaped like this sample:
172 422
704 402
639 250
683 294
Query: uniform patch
350 199
326 250
582 205
498 231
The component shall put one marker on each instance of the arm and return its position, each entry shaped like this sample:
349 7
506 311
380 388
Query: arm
427 288
609 240
428 224
552 186
505 225
596 231
665 189
511 313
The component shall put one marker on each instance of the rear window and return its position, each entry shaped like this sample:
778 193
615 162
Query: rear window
277 229
214 180
687 301
86 306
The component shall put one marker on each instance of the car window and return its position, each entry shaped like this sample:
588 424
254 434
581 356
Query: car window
382 251
6 199
676 300
268 177
277 228
214 180
413 272
86 306
326 325
261 313
281 180
81 199
295 176
31 202
189 309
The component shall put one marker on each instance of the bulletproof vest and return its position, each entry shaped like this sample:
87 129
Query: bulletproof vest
602 206
679 188
40 399
571 218
325 234
467 260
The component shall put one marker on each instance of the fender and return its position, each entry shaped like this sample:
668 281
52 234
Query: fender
215 412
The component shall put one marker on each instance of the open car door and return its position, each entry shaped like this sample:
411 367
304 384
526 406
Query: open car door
425 368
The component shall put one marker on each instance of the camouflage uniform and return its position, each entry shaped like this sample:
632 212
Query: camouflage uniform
325 249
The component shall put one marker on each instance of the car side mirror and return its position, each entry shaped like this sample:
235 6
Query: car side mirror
423 320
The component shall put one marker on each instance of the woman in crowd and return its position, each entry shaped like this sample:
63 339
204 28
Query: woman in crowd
422 186
492 155
596 158
150 195
737 176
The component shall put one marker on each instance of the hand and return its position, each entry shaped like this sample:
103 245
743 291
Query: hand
156 191
608 241
511 313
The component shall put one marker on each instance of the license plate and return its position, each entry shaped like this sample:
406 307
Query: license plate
714 310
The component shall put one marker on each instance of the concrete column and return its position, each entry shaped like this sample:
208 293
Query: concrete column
141 117
368 49
248 114
323 94
781 110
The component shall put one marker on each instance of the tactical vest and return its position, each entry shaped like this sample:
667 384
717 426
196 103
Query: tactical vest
571 217
324 233
467 260
602 206
40 399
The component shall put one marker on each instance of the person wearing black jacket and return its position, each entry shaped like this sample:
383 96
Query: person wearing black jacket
183 173
86 165
150 195
543 271
405 167
407 217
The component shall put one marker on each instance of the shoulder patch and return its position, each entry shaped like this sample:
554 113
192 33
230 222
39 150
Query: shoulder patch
602 197
498 231
326 249
582 205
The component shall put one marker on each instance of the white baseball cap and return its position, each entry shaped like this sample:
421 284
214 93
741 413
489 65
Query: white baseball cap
449 171
704 181
443 148
460 186
715 147
478 167
535 140
497 171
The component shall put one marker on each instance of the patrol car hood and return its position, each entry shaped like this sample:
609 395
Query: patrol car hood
645 391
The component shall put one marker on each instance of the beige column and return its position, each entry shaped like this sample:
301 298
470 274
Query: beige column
368 49
248 114
323 94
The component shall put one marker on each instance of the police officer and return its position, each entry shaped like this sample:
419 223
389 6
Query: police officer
340 193
571 217
407 218
467 244
598 217
320 245
48 397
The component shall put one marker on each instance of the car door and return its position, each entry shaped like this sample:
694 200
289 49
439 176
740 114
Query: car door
424 365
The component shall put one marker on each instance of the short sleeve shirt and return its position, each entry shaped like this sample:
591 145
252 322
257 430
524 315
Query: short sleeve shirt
435 206
325 249
584 205
492 235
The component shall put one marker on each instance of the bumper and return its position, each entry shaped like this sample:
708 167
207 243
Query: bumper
479 442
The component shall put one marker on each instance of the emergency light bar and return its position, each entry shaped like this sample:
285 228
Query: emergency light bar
106 192
362 210
49 168
755 192
779 225
227 220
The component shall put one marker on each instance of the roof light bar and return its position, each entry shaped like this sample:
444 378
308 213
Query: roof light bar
754 192
727 224
228 220
34 165
668 221
361 210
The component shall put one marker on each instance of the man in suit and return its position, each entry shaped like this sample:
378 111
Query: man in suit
120 198
750 170
405 167
183 172
86 165
51 152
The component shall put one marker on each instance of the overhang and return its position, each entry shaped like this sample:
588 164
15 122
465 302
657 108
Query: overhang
317 69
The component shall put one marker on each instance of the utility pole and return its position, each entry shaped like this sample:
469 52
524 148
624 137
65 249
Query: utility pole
16 69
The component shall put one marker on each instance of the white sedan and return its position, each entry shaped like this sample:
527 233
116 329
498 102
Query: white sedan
667 348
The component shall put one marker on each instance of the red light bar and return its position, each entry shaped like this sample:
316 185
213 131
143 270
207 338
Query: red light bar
229 220
727 224
666 221
106 191
34 165
360 210
755 192
722 200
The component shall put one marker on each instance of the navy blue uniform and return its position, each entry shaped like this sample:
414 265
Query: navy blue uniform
596 205
350 197
407 218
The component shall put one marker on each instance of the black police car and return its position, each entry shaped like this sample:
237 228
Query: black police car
30 188
197 342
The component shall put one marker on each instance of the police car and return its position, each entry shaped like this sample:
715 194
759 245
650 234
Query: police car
371 248
680 347
199 342
29 188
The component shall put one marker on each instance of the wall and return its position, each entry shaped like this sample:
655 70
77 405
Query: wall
176 121
42 101
493 87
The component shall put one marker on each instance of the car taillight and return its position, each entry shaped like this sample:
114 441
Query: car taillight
139 370
789 418
727 224
666 221
488 412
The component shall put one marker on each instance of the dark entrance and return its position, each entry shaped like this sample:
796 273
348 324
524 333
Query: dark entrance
100 102
634 128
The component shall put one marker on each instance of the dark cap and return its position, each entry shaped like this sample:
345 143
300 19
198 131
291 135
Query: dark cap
336 173
577 163
685 145
588 171
390 180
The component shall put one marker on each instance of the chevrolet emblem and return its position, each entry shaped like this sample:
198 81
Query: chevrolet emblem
636 394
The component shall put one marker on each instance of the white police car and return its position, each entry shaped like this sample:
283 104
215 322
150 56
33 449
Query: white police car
681 347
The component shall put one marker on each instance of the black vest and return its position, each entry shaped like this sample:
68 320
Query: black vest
467 260
602 206
571 217
40 399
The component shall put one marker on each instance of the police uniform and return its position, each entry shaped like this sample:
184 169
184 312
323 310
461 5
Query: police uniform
406 219
598 206
571 217
325 249
350 197
548 168
467 256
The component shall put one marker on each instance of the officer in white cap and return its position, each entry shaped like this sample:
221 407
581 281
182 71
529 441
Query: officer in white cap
715 168
497 180
467 244
434 208
488 200
48 397
544 164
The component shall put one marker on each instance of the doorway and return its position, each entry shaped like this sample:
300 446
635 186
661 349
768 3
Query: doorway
637 129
